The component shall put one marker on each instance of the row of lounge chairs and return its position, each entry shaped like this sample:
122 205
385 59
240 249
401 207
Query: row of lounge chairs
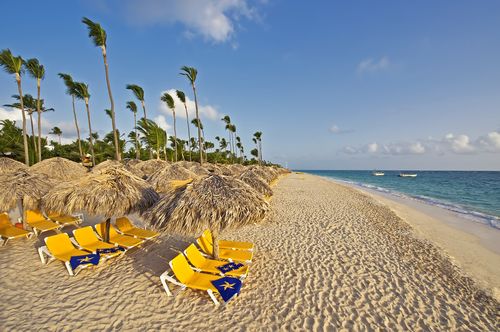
194 269
85 242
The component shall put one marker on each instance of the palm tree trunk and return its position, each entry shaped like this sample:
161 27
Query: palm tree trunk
20 207
106 230
189 130
137 149
90 132
145 118
33 135
77 129
112 102
39 120
175 138
198 119
25 137
59 139
260 152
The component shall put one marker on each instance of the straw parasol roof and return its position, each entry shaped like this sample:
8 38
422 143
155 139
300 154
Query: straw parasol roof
224 170
114 164
215 201
264 173
162 179
109 192
128 162
59 169
187 164
8 165
148 167
22 186
199 170
237 169
256 182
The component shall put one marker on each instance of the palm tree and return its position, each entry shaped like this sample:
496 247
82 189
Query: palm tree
232 130
258 141
227 120
191 74
139 94
70 90
167 98
182 97
58 132
29 107
98 35
82 93
152 135
13 65
133 107
37 71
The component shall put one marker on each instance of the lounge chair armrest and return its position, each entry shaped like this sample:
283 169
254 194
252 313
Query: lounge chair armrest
170 278
76 244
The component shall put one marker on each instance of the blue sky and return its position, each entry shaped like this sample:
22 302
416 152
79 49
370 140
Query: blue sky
331 84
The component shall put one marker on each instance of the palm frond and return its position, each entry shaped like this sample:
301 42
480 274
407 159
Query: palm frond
96 32
181 96
167 98
34 68
190 72
132 106
10 63
137 91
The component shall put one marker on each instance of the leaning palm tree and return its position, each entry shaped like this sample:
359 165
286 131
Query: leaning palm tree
37 71
169 100
58 132
182 97
29 107
258 141
139 94
191 74
98 35
70 90
82 92
13 65
227 120
133 107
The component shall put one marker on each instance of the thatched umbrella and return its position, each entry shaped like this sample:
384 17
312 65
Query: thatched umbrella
114 164
128 162
22 188
163 179
109 192
199 170
264 173
224 170
237 169
256 182
215 201
187 164
8 165
59 169
148 167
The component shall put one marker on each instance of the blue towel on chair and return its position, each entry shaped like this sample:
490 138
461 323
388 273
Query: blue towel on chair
227 287
229 267
75 261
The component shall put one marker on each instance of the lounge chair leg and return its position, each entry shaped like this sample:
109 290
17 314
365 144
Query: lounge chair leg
42 257
68 267
212 296
164 283
5 241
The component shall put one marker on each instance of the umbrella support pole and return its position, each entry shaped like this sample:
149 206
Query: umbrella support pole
21 211
106 233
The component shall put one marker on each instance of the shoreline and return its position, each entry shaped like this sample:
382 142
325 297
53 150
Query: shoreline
473 246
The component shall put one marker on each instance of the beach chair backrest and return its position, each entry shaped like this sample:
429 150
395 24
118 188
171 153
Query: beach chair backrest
205 246
33 215
101 228
85 236
123 224
181 268
4 220
208 236
59 244
194 256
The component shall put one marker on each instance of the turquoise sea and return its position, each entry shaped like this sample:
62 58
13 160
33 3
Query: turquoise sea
475 195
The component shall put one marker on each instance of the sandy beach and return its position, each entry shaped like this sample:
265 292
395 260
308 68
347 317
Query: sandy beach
329 257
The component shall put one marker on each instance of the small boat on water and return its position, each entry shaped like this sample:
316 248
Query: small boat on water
407 175
378 173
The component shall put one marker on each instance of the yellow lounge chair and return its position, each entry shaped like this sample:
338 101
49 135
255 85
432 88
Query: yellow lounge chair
61 248
231 255
88 240
65 220
203 264
187 278
9 232
117 239
225 244
39 223
125 226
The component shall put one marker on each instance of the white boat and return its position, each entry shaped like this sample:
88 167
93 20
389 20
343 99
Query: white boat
407 175
377 173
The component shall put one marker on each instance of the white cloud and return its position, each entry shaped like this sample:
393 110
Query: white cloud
162 122
206 111
215 20
13 114
450 143
334 129
372 65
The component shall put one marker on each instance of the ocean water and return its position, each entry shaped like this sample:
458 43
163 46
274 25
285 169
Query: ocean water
475 195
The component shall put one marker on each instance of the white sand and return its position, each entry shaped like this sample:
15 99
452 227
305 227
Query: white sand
331 258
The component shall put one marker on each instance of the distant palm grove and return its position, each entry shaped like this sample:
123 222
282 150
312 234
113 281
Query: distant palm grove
147 140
